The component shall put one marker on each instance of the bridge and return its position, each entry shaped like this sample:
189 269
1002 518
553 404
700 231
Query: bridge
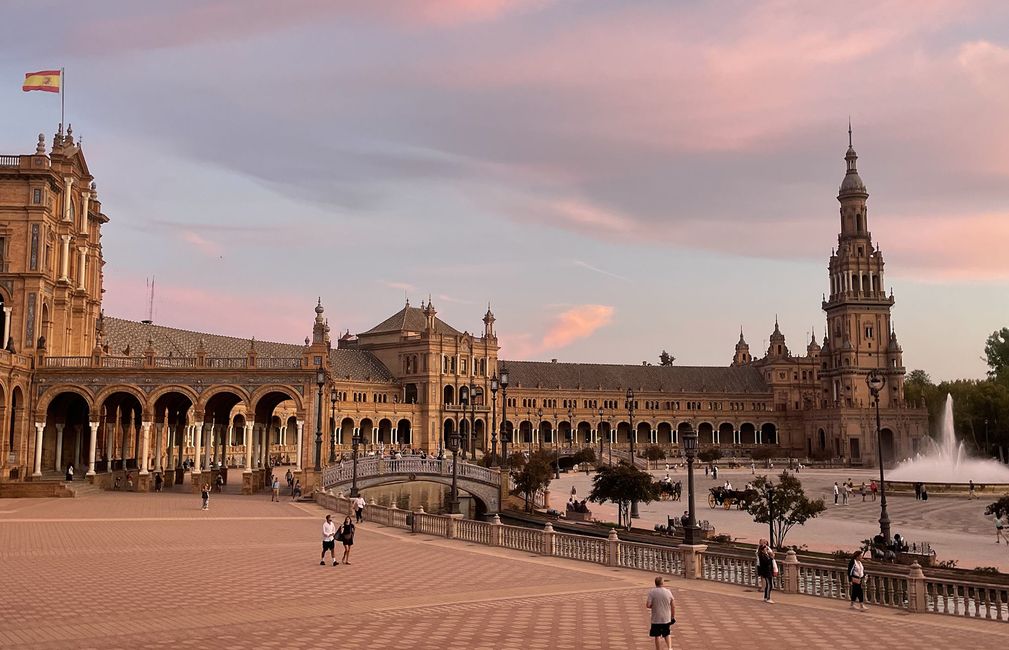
480 482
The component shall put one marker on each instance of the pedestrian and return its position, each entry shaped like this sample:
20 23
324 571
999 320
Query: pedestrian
917 491
129 480
714 472
70 472
873 488
999 528
276 490
296 490
328 541
837 491
290 481
970 490
705 470
765 568
863 491
856 575
219 482
574 492
205 495
116 484
663 605
847 493
358 509
158 482
346 537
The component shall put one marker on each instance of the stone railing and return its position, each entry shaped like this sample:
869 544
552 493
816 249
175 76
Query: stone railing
909 590
371 466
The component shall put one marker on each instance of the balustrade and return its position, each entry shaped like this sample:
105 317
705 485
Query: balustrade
652 558
970 600
729 568
478 532
522 539
579 547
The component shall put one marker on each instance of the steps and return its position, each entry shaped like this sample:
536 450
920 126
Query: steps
82 488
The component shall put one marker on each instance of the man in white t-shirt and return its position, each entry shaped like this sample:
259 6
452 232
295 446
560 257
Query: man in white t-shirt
660 601
328 540
359 509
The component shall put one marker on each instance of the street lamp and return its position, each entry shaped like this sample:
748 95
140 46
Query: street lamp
876 381
689 441
332 419
464 401
599 434
453 446
770 513
474 392
320 380
634 434
493 420
539 427
504 414
355 441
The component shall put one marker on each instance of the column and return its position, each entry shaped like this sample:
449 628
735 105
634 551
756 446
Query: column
39 428
198 445
159 438
248 445
85 199
7 324
264 446
109 443
65 261
59 448
145 448
282 436
717 436
170 445
91 447
297 462
77 450
68 183
81 253
208 444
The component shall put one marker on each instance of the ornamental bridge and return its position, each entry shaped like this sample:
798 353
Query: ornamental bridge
481 483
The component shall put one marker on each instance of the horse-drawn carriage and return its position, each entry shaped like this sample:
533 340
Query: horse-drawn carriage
721 497
669 490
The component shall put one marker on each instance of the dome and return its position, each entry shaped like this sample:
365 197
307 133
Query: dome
852 183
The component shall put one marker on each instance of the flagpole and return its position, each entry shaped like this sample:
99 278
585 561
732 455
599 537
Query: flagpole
63 99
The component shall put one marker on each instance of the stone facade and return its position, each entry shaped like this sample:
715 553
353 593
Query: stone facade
112 396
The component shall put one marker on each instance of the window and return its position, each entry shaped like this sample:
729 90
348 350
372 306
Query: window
37 196
868 331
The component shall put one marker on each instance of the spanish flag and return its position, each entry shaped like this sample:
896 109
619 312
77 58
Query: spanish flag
45 80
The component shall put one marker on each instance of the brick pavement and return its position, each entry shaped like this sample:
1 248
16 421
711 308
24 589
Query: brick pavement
115 570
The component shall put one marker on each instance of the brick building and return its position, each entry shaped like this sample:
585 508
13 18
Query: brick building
110 395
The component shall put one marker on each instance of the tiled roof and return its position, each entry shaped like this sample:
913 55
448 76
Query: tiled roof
358 364
410 319
171 341
668 379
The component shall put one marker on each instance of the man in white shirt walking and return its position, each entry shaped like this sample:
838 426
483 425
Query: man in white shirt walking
328 540
660 601
359 509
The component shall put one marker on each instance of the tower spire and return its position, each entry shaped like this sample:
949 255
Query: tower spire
849 132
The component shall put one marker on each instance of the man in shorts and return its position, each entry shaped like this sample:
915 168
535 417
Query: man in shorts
328 541
660 601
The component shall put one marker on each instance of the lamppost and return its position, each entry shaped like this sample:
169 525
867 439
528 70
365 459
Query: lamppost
453 446
355 441
770 513
504 414
320 380
876 381
493 421
689 441
600 435
474 391
464 401
539 427
634 434
569 437
332 419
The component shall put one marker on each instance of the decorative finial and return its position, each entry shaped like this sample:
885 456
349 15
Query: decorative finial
849 131
40 148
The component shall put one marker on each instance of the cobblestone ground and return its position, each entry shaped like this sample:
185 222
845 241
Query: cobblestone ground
132 570
956 527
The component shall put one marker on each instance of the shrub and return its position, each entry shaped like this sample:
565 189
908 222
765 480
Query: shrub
653 452
709 455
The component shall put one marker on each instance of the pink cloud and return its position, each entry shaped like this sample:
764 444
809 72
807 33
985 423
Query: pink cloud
573 324
200 243
947 248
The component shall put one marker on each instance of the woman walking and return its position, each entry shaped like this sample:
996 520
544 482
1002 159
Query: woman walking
1000 528
205 495
765 568
856 575
346 536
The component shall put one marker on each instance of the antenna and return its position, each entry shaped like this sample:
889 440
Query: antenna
150 302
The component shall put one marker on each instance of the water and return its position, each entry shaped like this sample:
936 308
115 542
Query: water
433 497
947 461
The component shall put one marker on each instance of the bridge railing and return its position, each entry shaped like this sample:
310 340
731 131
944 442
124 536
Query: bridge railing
885 586
372 466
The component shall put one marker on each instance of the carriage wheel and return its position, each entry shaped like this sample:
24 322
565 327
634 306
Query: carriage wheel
711 500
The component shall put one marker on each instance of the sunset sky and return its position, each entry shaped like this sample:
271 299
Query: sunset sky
615 177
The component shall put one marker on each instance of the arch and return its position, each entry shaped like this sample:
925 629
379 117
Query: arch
448 394
16 420
821 439
447 429
525 432
705 434
583 433
365 430
158 392
546 432
605 431
410 394
747 433
887 447
346 431
682 428
404 429
383 435
565 433
480 434
207 395
46 323
769 433
623 433
55 391
644 436
263 392
110 391
65 434
665 433
170 409
726 433
290 431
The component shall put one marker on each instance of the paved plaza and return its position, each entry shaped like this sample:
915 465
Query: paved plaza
955 526
116 570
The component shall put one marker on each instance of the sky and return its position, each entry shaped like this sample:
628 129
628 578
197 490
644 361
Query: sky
616 178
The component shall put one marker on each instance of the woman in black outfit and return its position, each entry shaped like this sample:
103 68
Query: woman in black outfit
346 536
765 569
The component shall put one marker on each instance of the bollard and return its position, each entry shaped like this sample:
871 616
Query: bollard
790 573
495 530
613 548
548 539
916 597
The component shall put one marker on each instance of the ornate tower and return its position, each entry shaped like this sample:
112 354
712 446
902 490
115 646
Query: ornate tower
777 348
488 324
742 355
858 308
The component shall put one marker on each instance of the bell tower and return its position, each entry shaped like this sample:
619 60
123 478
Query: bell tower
858 308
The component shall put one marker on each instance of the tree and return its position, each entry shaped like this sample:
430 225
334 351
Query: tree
653 452
996 352
532 475
788 504
709 455
622 484
586 455
763 454
666 359
918 386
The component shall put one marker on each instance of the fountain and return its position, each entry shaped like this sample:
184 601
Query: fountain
948 462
